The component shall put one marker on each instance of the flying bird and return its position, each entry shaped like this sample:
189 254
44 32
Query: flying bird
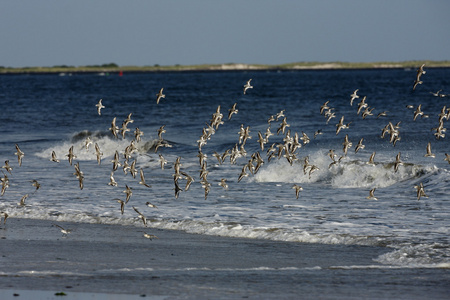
160 95
247 86
142 182
298 189
99 106
19 154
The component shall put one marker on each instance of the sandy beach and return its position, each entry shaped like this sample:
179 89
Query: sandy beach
111 262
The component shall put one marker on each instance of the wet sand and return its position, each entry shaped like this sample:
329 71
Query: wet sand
113 262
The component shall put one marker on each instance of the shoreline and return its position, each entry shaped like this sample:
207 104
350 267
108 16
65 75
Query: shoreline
119 260
223 67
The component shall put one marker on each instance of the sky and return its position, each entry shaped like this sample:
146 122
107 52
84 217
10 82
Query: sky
188 32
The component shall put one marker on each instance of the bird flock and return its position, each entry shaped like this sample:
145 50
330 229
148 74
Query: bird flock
287 149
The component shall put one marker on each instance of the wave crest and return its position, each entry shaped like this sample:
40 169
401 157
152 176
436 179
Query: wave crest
346 174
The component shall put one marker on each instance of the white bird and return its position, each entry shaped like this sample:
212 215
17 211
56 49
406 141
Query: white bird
150 236
114 128
71 156
98 153
420 191
99 106
359 145
223 183
128 192
447 157
298 189
353 96
371 162
54 157
397 162
371 194
420 72
7 167
19 154
429 154
112 181
142 182
247 86
36 184
160 95
150 205
141 216
232 111
122 205
115 161
64 231
22 200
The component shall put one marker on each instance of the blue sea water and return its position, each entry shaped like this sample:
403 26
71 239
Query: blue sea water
45 113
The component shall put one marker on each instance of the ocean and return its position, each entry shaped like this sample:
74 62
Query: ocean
49 112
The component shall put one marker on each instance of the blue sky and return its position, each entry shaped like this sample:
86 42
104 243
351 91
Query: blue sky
169 32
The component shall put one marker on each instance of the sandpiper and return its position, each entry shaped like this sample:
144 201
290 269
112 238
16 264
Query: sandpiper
382 114
177 188
160 95
64 231
71 156
447 158
79 175
122 205
247 86
22 200
137 134
98 153
324 107
54 158
87 143
232 111
397 162
128 191
115 161
429 154
347 144
36 184
418 112
99 106
353 96
142 182
112 181
114 128
341 125
420 191
161 130
371 194
436 94
223 183
141 216
371 162
298 189
150 236
7 167
5 216
360 145
420 72
243 174
150 205
19 154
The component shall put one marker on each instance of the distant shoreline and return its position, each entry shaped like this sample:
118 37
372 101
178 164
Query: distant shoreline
113 68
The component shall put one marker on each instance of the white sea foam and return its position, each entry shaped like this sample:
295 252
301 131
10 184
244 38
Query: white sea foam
422 255
108 146
347 174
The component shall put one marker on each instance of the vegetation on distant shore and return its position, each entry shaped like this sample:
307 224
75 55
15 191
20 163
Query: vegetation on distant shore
112 67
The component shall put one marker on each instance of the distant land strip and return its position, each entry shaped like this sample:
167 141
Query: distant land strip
113 68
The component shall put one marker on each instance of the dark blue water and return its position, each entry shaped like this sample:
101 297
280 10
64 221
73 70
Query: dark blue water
45 113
